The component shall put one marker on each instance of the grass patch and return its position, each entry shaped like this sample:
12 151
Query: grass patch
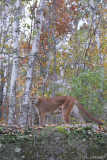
62 129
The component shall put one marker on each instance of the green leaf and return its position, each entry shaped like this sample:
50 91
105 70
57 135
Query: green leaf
34 32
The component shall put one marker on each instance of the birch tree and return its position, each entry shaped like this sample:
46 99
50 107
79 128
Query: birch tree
1 65
5 35
1 88
12 98
97 39
95 23
54 74
32 57
97 26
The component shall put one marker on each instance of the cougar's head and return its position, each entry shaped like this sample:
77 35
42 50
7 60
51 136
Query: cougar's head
33 99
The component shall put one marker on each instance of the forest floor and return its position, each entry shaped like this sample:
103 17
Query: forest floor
88 131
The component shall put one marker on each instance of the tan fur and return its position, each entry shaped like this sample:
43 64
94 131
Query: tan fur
67 104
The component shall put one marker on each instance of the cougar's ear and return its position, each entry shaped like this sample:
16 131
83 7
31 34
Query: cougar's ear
29 95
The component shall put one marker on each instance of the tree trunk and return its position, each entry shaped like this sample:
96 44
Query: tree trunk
96 25
54 39
4 26
12 99
32 57
93 11
47 74
1 88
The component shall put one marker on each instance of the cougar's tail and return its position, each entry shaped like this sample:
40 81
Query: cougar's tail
81 108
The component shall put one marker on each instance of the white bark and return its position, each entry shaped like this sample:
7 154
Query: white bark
1 86
12 100
4 28
97 39
32 57
54 39
47 73
95 25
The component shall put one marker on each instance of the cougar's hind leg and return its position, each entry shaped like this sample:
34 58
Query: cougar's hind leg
66 111
66 116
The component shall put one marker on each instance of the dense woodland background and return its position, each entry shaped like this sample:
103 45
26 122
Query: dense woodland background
53 47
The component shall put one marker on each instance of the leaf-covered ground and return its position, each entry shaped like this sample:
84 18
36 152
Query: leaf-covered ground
11 134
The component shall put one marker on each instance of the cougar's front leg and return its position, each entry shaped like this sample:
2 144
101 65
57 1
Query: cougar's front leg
45 121
42 119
